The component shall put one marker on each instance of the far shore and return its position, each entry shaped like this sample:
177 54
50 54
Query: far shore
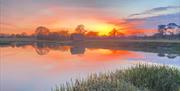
87 40
5 40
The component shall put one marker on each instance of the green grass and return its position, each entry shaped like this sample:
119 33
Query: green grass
138 78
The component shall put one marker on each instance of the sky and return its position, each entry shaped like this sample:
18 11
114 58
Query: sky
128 16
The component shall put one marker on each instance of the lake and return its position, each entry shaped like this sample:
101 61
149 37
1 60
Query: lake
40 67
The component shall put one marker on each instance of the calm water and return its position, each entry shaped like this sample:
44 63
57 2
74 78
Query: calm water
28 68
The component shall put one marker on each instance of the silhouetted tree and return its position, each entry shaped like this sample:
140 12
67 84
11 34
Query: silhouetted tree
53 36
113 32
42 32
64 33
172 25
80 29
92 34
169 31
120 34
161 29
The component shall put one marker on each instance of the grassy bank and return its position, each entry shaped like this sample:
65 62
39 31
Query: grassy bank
138 78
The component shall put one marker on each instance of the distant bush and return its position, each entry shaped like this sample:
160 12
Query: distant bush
138 78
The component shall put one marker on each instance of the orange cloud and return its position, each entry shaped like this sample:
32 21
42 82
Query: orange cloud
130 27
55 18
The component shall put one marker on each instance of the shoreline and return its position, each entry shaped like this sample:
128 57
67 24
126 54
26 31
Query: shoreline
89 40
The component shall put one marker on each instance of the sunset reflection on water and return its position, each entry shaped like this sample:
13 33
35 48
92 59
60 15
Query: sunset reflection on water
33 68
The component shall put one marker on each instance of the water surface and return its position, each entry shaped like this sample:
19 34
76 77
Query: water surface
39 68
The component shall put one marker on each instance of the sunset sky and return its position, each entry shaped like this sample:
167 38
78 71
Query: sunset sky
129 16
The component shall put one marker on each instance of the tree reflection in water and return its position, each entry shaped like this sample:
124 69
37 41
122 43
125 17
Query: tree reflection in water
43 48
77 50
165 53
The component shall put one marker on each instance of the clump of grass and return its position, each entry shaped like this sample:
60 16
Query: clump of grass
155 78
138 78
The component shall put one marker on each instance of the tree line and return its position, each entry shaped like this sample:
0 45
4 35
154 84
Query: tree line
169 31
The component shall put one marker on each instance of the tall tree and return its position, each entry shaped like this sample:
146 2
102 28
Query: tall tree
42 32
172 25
80 29
161 29
113 32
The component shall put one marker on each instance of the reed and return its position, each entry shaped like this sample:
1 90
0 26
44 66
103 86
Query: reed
139 78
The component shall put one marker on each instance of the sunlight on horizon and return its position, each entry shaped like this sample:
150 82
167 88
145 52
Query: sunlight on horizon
101 27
